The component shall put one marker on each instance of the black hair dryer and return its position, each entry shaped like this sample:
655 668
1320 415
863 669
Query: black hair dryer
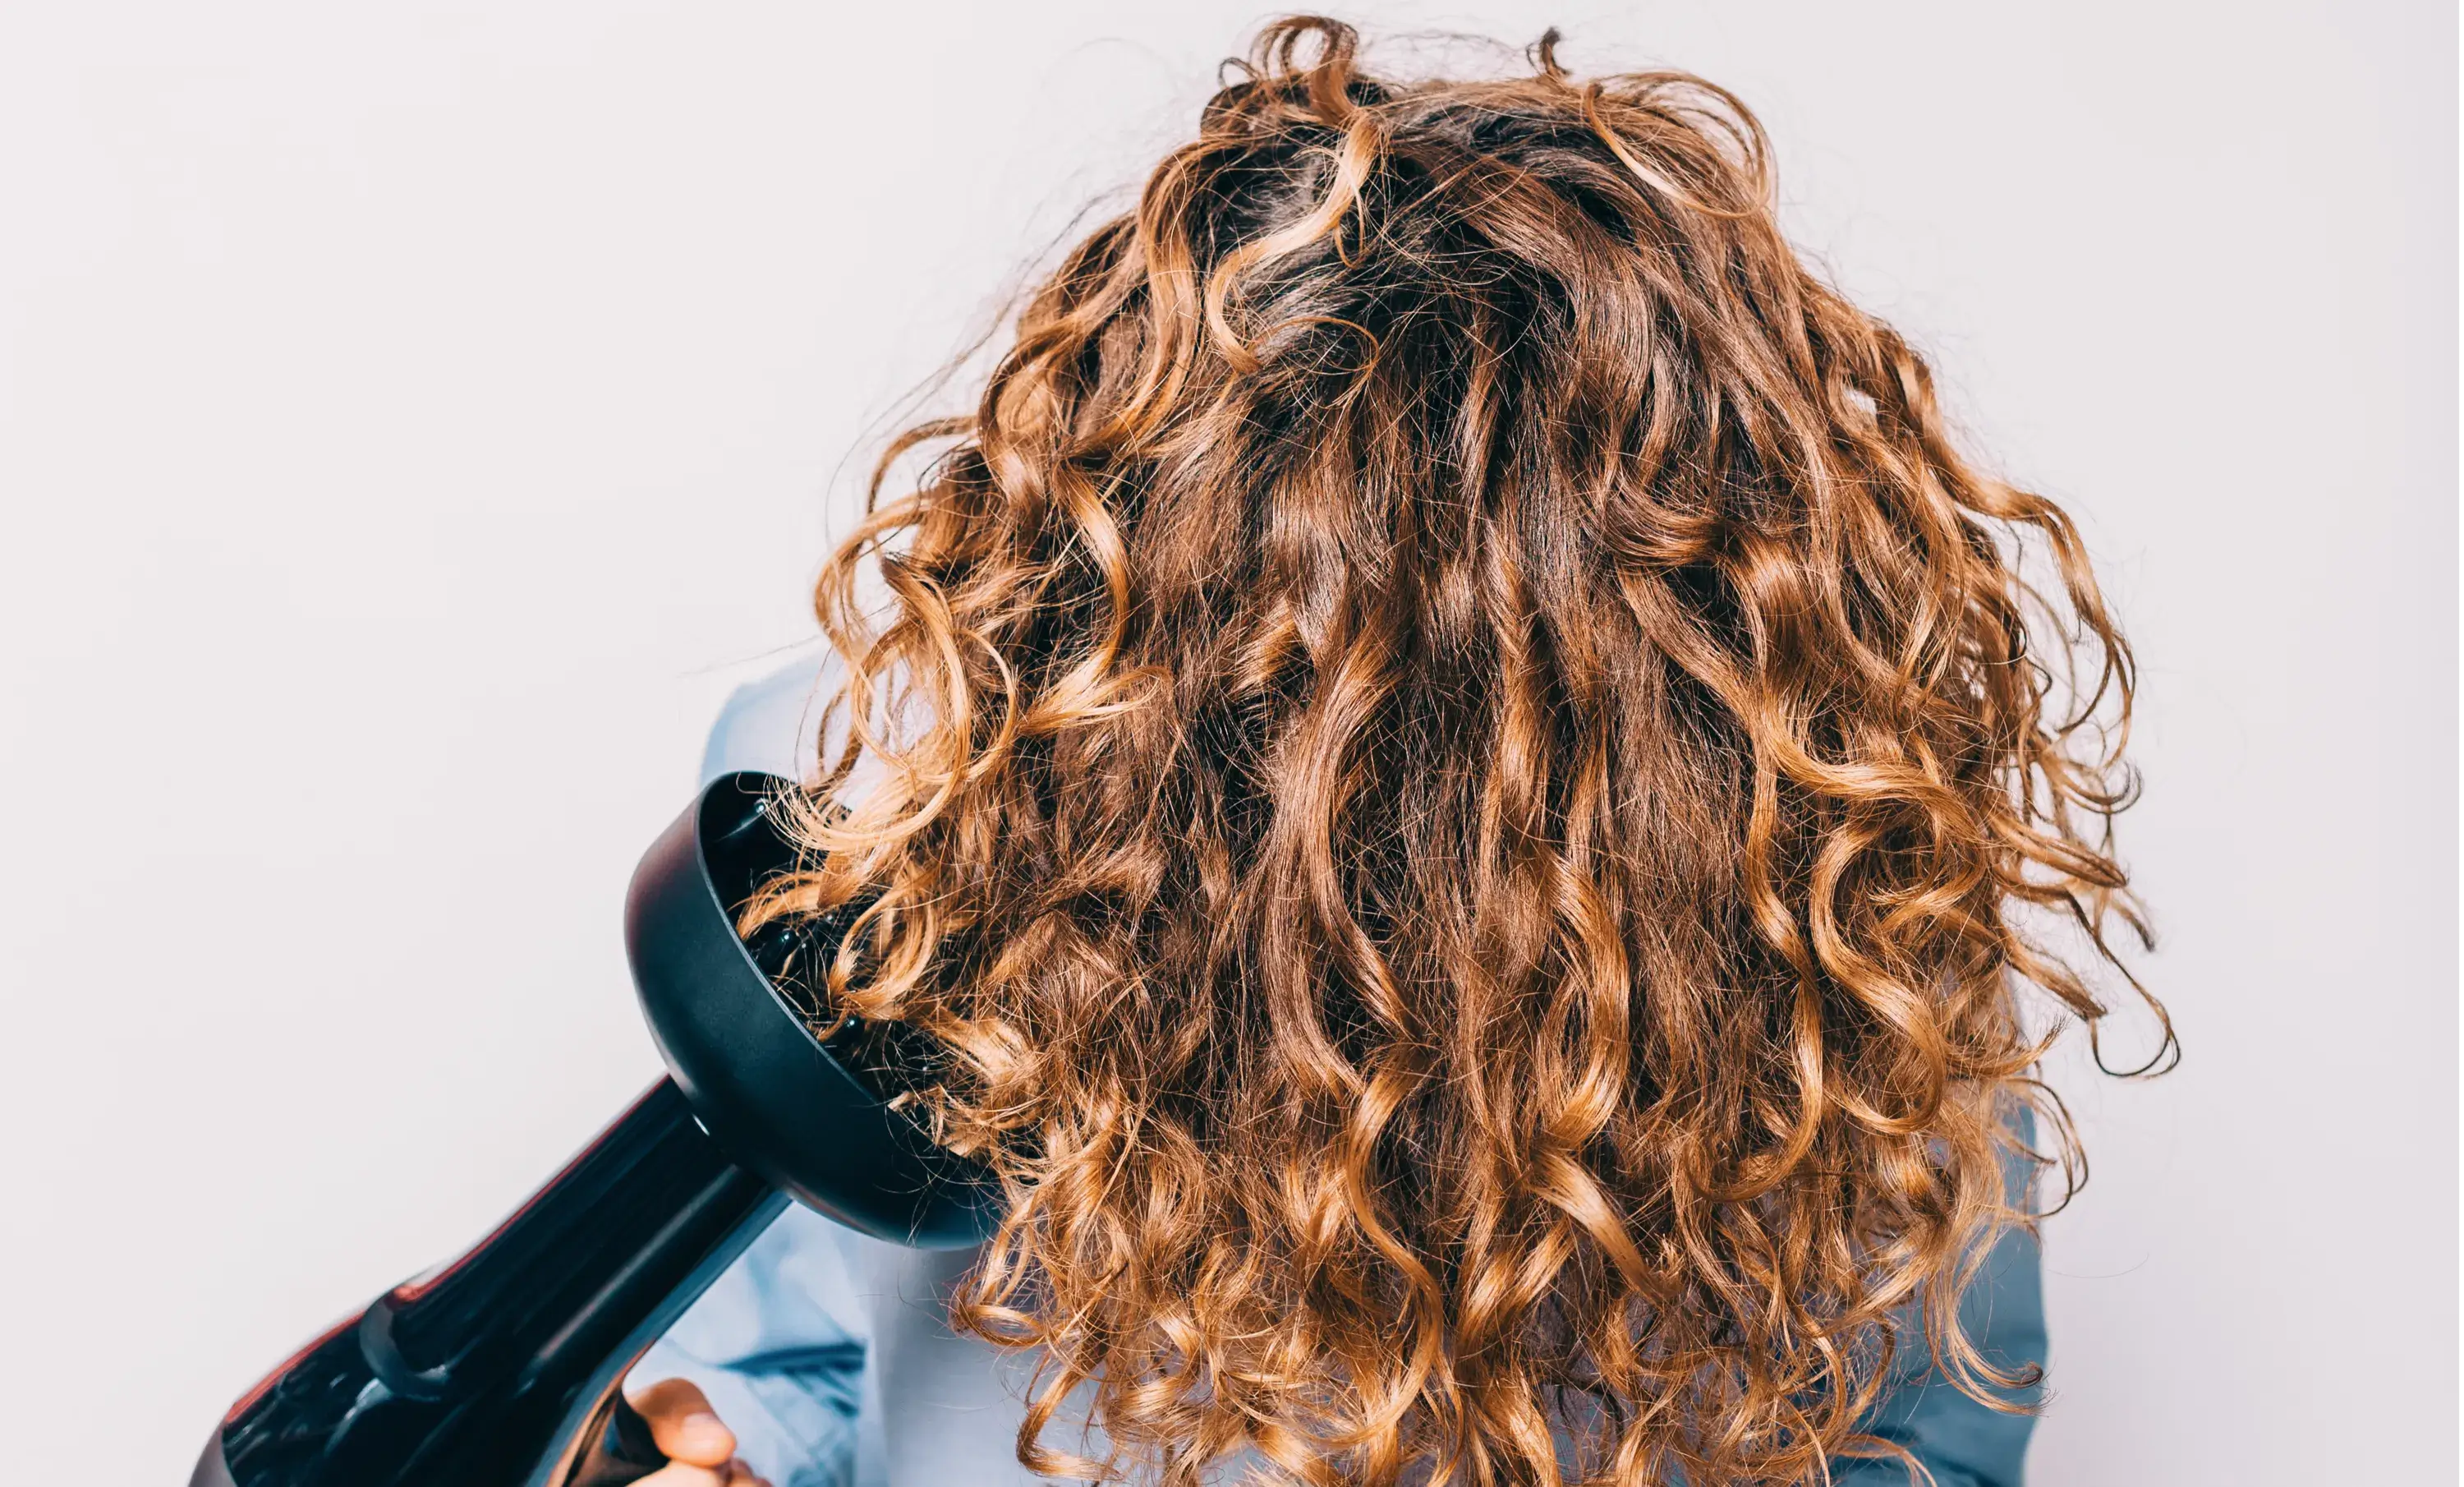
500 1369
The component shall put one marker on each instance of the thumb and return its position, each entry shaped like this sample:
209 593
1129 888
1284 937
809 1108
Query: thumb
682 1423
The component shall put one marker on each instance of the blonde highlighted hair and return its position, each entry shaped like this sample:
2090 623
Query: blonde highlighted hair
1482 760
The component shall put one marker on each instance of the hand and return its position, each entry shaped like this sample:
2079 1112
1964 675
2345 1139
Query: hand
701 1449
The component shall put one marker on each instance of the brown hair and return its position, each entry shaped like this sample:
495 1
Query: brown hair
1464 760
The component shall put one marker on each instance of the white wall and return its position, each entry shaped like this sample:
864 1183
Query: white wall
413 418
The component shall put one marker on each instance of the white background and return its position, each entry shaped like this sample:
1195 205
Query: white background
414 418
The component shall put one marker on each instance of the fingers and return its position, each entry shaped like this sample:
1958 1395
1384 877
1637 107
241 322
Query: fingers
687 1430
683 1474
700 1447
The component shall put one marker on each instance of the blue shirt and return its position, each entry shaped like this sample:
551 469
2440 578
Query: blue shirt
830 1355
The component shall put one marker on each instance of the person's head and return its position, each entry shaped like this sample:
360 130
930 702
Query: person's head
1465 761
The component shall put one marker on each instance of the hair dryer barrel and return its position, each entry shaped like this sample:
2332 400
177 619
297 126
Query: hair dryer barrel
500 1371
486 1372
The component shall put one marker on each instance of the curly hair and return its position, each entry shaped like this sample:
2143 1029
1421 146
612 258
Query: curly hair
1466 768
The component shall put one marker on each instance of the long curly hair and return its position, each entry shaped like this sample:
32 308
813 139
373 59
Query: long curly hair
1464 773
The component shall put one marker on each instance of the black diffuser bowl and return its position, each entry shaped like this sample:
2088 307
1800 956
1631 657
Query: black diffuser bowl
813 1124
500 1369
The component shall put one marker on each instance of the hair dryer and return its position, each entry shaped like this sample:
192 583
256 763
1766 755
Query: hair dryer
500 1369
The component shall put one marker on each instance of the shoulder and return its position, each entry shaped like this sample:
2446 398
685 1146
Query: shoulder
771 724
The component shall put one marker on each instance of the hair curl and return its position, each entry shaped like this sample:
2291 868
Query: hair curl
1480 759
